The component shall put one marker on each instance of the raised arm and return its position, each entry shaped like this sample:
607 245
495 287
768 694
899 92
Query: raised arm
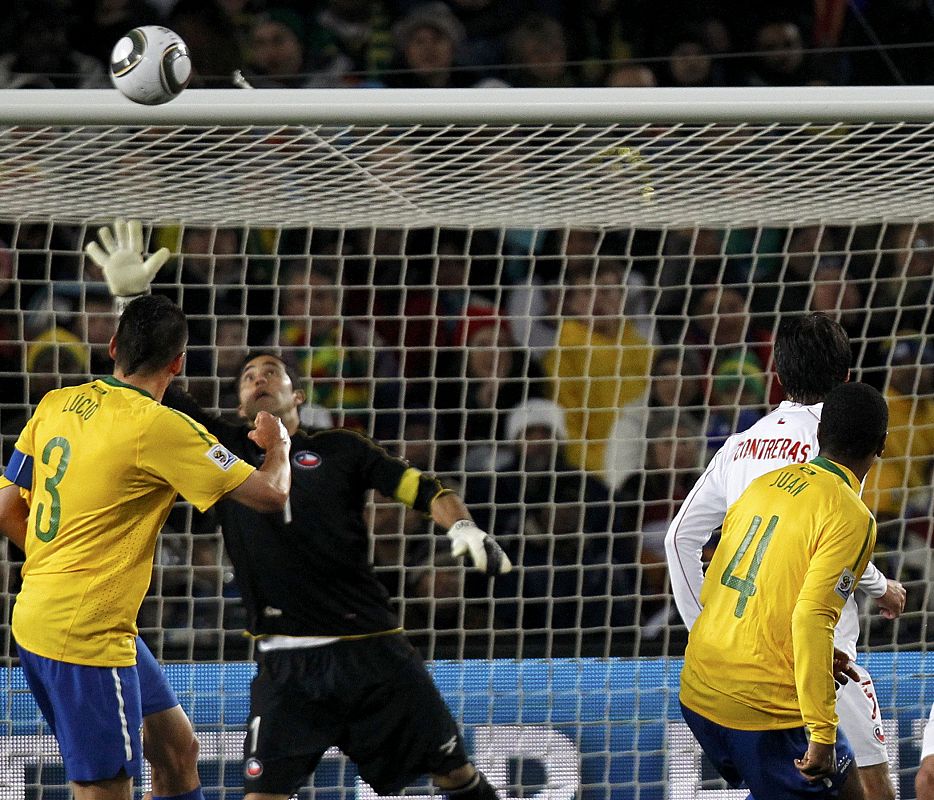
267 489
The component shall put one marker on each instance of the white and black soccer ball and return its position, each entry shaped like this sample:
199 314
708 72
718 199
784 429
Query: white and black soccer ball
150 65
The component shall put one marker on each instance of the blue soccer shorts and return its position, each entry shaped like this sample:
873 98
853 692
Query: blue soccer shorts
764 761
96 713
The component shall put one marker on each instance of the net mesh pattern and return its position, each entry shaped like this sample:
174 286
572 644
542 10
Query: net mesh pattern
413 175
564 322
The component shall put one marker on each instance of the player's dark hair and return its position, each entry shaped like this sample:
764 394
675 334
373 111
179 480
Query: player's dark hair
853 422
812 356
152 331
289 369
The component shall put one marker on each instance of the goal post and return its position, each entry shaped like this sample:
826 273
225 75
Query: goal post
560 301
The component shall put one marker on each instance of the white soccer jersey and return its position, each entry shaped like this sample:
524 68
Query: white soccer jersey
787 435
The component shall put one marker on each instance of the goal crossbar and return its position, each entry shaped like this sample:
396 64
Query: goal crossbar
595 158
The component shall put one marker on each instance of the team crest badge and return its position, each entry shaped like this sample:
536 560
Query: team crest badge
879 734
307 459
253 768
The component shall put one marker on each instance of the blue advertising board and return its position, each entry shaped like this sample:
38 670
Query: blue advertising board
594 729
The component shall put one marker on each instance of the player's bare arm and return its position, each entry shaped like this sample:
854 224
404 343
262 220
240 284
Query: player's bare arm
267 489
14 514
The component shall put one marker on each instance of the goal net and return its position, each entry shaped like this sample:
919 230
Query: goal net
560 302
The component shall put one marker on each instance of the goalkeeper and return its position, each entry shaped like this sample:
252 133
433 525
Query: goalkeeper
334 666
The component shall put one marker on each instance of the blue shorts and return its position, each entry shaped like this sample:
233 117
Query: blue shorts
764 761
96 712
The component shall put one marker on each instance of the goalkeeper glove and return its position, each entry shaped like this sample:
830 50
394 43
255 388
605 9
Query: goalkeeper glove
121 258
486 555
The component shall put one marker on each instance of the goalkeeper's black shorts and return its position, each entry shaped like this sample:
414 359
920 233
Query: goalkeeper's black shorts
372 698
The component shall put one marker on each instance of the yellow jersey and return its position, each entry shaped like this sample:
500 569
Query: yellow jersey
793 547
107 464
594 378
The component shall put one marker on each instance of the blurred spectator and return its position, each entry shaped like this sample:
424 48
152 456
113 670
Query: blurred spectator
689 62
787 284
678 383
553 520
426 586
900 483
878 28
632 75
600 367
649 499
486 23
536 462
728 336
11 347
99 24
100 323
350 42
338 358
419 446
603 35
54 358
277 49
737 398
231 349
498 377
427 40
537 53
904 295
214 41
41 57
780 59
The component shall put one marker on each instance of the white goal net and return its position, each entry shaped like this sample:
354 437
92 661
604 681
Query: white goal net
560 302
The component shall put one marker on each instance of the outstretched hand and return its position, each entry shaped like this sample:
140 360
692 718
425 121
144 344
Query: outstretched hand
120 257
485 554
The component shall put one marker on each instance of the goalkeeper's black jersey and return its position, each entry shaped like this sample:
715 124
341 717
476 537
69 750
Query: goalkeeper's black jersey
311 576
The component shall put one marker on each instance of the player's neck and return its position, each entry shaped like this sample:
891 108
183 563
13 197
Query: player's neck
154 385
291 421
858 466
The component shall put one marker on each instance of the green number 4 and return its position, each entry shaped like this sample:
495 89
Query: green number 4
51 486
747 586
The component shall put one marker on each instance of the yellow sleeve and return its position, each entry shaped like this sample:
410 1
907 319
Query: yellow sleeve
839 560
191 460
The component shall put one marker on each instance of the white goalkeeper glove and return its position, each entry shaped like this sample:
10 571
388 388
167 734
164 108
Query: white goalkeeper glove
486 555
121 258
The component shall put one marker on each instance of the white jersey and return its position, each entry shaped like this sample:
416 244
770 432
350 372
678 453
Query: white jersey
787 435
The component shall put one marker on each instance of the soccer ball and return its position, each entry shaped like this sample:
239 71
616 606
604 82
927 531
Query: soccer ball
150 65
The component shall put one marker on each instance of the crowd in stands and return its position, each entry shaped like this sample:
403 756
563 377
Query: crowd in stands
462 43
571 384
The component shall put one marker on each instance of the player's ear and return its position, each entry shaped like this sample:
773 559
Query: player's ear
177 364
298 397
847 379
240 412
112 348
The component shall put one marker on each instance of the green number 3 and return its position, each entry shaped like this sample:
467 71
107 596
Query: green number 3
747 586
51 486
